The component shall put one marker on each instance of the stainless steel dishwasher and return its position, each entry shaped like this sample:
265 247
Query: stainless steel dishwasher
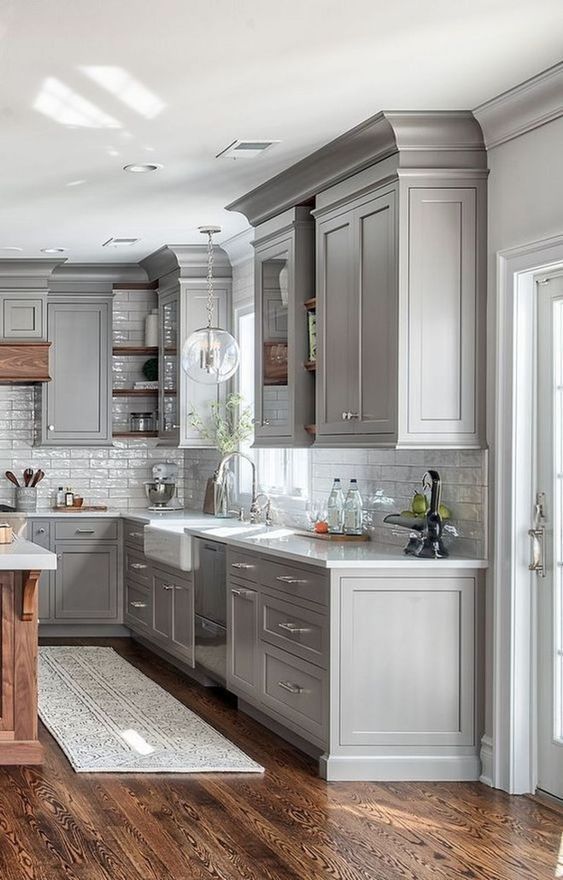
210 582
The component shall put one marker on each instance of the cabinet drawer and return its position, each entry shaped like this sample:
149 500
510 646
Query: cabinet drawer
41 533
298 630
294 689
301 582
86 529
138 606
137 566
133 533
242 565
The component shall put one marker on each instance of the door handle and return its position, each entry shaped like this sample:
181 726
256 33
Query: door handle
537 534
291 687
84 531
137 566
288 579
294 628
168 586
241 565
138 604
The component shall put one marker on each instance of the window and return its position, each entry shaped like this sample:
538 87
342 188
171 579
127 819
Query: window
279 471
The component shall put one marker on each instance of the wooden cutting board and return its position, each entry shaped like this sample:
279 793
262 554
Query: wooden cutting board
326 536
84 509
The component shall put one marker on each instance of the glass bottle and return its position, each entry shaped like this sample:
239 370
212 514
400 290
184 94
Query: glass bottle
353 511
335 508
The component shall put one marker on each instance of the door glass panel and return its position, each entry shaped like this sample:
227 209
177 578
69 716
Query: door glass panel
170 365
275 396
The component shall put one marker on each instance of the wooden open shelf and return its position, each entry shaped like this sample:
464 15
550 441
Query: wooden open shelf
135 434
123 350
135 392
311 304
311 366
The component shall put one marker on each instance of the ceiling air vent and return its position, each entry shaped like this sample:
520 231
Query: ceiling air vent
120 242
245 149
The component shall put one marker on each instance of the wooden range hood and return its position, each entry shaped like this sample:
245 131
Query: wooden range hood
24 363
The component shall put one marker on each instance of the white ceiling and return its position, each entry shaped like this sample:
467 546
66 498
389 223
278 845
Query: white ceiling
87 87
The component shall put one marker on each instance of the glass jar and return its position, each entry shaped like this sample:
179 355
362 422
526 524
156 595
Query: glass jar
141 422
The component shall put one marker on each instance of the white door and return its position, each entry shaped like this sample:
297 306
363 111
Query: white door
549 583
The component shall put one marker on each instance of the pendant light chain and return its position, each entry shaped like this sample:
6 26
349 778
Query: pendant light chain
210 302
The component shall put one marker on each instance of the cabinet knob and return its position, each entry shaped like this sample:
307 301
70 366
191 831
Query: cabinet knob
40 531
345 416
51 427
265 421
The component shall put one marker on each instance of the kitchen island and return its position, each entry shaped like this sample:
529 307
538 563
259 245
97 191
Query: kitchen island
21 564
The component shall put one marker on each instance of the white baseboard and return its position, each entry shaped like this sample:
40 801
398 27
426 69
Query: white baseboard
395 768
486 755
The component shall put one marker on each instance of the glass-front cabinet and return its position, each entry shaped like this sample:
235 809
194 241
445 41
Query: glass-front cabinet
284 283
182 309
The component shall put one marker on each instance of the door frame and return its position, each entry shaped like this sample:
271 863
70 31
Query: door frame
510 754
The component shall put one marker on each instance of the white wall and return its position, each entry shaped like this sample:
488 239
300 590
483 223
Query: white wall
525 197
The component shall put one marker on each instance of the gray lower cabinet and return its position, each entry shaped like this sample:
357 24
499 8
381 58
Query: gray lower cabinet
173 613
76 404
242 639
380 669
86 582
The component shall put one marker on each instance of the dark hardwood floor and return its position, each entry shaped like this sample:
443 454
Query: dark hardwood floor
287 824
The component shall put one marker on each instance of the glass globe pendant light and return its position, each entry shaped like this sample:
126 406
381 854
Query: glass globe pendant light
210 355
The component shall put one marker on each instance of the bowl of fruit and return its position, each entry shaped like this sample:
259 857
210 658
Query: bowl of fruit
415 517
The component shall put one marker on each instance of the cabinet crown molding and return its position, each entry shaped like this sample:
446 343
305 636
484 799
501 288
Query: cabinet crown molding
419 139
527 106
34 273
186 261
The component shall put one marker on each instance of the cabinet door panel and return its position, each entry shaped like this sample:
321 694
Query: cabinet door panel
375 397
183 621
23 318
412 651
443 302
162 606
337 310
85 582
242 639
77 403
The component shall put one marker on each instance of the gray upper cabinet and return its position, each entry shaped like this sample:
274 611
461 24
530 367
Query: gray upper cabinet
400 306
357 317
76 404
284 281
23 316
401 215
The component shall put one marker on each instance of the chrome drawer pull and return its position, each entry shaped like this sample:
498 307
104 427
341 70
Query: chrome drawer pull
293 628
135 534
138 604
243 594
289 686
137 565
287 579
241 565
85 531
168 586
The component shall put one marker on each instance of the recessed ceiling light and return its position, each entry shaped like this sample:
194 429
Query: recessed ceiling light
141 167
11 249
57 250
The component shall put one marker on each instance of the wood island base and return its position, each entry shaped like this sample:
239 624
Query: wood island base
18 668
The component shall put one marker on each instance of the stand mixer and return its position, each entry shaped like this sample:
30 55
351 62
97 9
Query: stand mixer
161 490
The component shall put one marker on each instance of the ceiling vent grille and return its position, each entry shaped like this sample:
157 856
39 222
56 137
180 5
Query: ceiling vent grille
240 149
120 242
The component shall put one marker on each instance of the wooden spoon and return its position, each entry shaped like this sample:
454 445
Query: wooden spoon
27 476
12 478
37 478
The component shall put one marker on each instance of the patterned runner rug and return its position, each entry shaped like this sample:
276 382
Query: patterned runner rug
108 717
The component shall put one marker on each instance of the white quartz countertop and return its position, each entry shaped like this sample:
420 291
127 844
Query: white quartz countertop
283 542
278 541
22 555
